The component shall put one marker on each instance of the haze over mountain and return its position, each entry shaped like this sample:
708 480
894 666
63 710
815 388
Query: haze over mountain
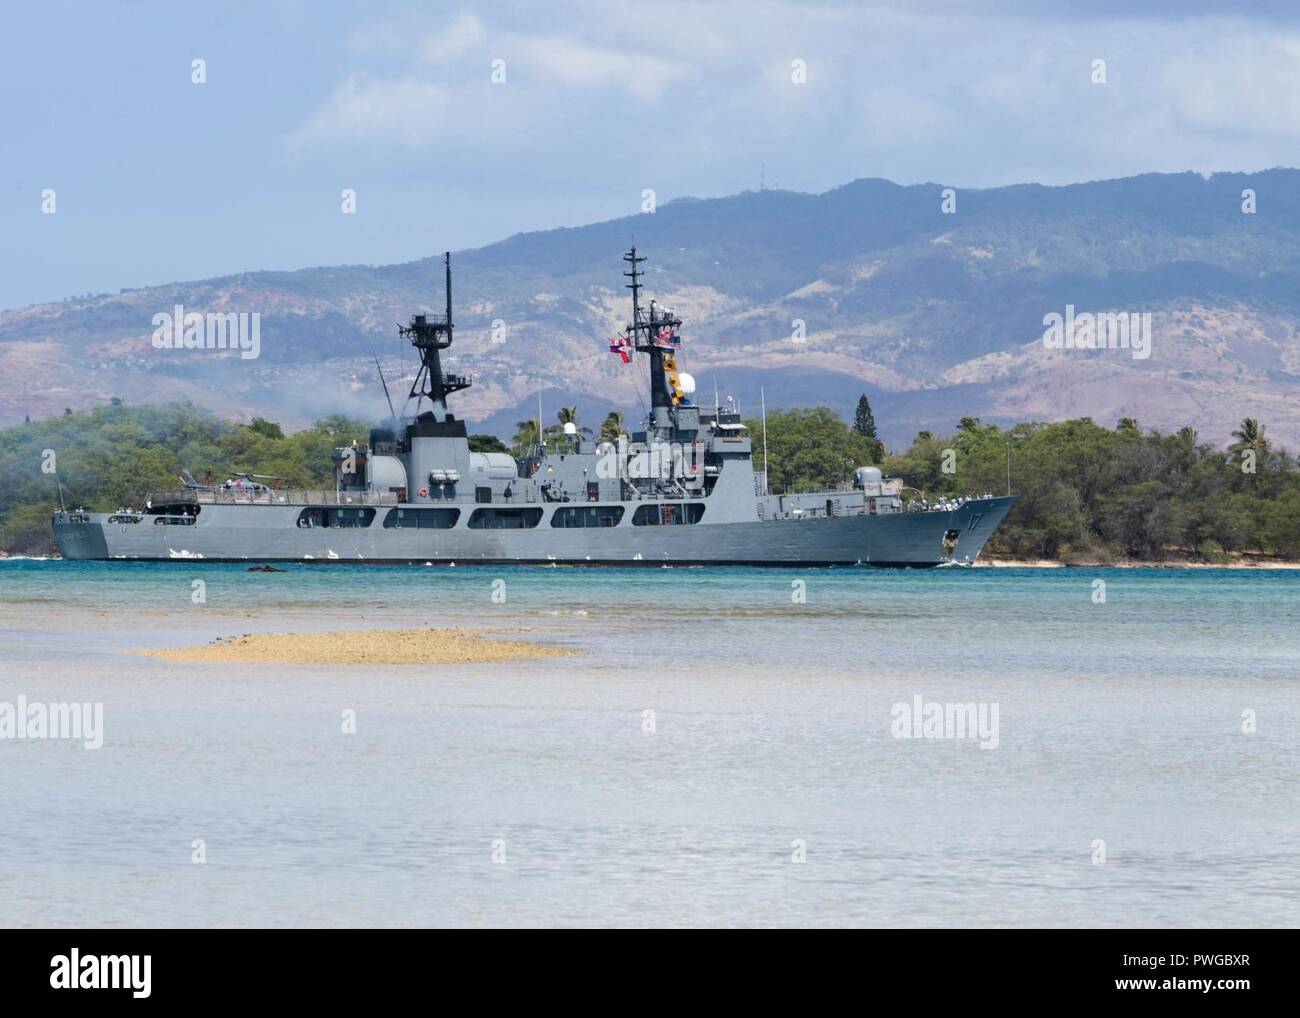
934 315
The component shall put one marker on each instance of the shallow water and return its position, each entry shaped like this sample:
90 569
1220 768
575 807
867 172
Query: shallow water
1120 722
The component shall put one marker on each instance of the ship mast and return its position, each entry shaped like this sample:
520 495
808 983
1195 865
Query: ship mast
430 334
654 333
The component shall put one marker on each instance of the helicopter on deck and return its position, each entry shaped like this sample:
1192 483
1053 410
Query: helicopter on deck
239 482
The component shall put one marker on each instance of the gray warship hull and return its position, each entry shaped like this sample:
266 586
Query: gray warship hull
269 533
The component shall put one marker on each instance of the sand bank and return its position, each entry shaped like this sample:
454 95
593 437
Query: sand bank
361 647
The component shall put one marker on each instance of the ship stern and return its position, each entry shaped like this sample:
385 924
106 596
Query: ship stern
80 535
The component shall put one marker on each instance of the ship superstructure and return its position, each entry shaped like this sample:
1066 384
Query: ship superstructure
682 490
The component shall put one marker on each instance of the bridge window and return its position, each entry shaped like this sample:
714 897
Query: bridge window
587 516
505 519
421 519
667 514
335 517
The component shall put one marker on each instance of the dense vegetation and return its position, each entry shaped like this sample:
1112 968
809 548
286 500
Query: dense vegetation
810 449
1087 492
112 455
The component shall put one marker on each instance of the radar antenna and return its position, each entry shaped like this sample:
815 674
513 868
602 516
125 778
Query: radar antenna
430 334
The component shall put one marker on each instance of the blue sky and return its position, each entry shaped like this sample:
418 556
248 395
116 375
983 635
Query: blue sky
159 179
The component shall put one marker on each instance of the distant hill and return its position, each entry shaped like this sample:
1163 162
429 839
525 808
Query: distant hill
935 316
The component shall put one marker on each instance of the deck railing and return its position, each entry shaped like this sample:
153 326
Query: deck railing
233 496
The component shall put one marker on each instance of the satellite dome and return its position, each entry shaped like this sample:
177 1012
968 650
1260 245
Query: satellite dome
687 383
570 428
866 475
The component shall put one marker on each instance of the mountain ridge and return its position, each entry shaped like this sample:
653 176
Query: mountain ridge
935 315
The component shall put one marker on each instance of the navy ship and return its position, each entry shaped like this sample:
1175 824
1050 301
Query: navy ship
681 491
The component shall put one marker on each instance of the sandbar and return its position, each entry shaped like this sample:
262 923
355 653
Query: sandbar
361 647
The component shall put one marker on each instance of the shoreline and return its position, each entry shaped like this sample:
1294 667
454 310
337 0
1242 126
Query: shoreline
991 562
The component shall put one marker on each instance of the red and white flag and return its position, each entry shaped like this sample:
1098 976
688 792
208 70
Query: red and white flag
620 345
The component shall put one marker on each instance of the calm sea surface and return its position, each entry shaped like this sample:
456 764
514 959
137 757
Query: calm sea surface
533 793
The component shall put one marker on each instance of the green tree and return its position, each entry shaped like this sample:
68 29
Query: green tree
267 429
1249 435
864 423
569 415
612 427
810 450
487 443
114 455
526 438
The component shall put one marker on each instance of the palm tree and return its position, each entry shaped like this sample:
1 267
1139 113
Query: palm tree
612 428
569 415
526 437
1186 447
566 415
1250 445
1250 435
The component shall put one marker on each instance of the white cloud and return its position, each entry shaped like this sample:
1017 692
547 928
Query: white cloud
1238 84
464 34
977 100
575 65
403 111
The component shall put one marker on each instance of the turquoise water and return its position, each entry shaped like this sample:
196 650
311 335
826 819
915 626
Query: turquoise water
1118 722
